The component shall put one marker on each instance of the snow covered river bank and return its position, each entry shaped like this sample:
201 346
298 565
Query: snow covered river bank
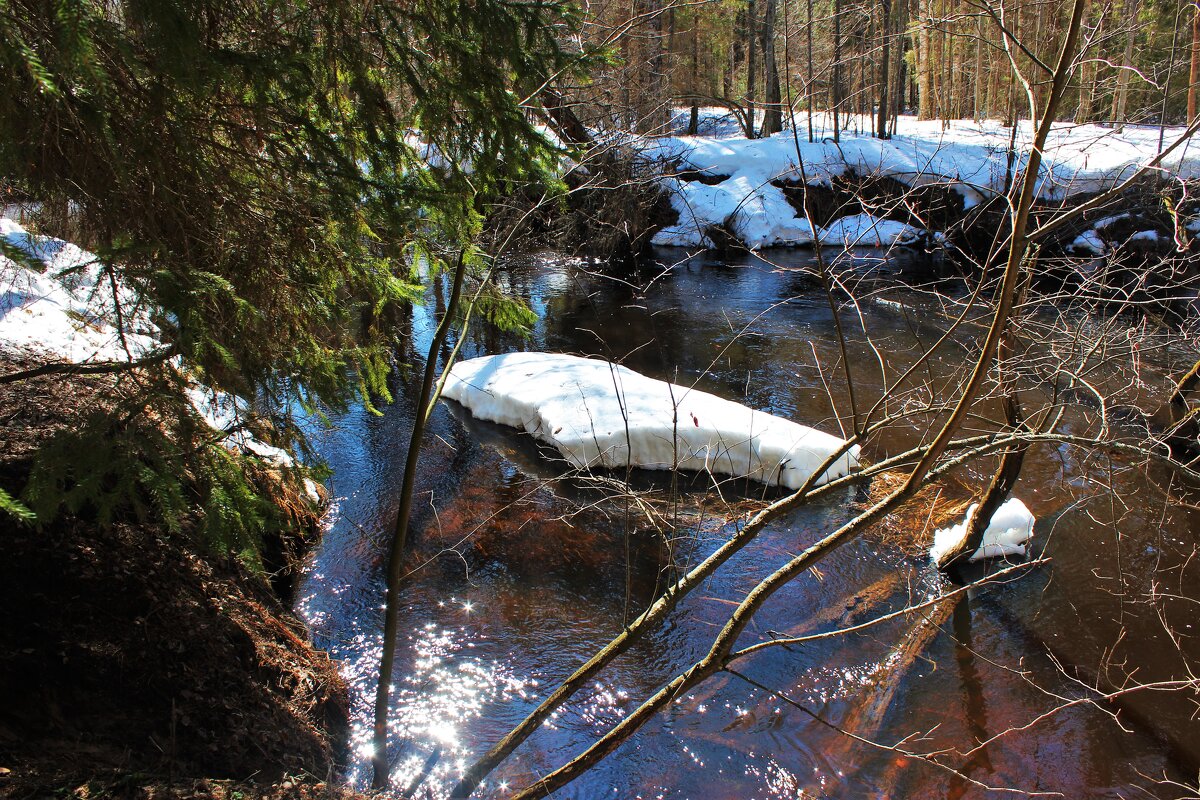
913 189
518 573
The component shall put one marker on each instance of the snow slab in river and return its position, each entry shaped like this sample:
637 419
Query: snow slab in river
1010 528
970 158
602 414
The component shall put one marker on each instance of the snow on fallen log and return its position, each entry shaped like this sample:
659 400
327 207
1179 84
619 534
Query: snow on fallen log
1010 528
599 414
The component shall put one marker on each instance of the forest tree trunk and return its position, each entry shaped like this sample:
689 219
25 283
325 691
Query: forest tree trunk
1194 72
773 102
751 64
885 28
926 105
1122 93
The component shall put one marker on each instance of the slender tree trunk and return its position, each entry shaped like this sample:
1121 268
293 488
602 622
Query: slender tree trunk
837 70
810 78
1087 74
772 109
391 626
951 66
992 104
1121 96
978 111
1162 114
728 73
864 95
627 73
656 108
1194 72
899 63
926 102
885 61
751 64
694 119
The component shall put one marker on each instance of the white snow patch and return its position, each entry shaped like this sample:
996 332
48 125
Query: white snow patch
681 236
864 230
970 158
601 414
1104 222
227 413
58 302
1088 242
755 211
891 305
1144 236
1010 528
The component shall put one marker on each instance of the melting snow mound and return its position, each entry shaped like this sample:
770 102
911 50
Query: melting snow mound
1011 527
580 406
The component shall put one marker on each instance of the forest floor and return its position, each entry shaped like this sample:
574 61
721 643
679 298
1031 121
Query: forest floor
134 663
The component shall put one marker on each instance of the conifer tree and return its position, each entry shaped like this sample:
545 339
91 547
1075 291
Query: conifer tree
266 173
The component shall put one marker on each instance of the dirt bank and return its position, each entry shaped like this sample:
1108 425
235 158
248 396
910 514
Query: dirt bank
136 658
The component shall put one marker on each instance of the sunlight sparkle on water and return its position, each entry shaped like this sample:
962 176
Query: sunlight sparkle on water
439 689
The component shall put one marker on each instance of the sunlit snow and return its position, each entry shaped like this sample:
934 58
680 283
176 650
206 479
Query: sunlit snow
1010 528
601 414
970 158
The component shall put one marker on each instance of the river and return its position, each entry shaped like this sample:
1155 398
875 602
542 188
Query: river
517 574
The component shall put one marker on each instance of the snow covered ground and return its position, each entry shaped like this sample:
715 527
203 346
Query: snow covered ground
970 158
61 301
601 414
57 304
1010 528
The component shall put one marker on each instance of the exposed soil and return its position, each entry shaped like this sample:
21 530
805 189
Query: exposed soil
131 659
117 786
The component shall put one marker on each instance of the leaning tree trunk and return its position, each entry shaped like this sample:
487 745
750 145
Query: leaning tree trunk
561 119
1001 486
396 551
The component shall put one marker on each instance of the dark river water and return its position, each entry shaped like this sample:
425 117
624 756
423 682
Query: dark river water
516 575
